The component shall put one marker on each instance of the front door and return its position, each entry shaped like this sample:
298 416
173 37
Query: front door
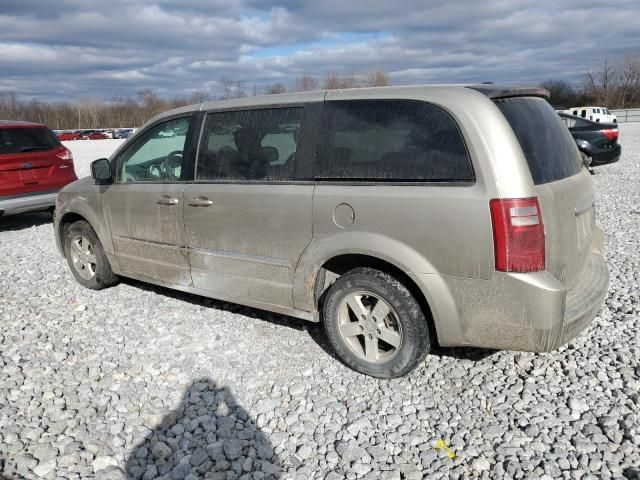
248 214
144 206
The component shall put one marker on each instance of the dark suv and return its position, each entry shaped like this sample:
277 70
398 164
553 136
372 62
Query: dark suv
34 165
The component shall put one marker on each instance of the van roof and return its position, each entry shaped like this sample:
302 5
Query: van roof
490 90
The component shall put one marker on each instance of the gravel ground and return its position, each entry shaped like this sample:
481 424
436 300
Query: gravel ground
140 382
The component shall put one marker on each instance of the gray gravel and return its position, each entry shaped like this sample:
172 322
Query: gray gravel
143 382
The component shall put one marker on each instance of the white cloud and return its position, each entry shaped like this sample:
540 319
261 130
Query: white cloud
174 47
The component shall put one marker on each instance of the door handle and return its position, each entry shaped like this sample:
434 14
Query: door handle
167 200
200 202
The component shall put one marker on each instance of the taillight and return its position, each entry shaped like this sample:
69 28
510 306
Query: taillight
65 154
518 234
610 133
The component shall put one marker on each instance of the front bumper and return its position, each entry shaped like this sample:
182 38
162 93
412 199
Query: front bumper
27 202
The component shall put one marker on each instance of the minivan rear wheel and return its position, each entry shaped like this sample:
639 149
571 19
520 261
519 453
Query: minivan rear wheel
374 324
86 257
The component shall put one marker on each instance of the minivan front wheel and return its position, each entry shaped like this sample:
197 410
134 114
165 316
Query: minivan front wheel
86 258
374 324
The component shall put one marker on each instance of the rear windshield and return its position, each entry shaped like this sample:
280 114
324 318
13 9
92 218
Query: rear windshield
23 140
547 144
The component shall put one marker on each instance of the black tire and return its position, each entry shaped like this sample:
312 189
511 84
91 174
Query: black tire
414 329
103 276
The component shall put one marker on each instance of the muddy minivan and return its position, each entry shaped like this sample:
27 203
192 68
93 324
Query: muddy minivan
399 217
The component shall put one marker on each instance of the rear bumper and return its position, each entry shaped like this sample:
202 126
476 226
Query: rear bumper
605 157
27 202
526 312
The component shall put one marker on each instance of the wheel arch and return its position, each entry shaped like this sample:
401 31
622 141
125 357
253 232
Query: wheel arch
585 147
76 211
340 264
66 220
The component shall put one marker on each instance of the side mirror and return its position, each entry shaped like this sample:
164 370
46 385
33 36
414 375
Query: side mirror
101 171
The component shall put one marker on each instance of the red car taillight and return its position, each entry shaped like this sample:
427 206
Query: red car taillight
610 133
518 234
65 155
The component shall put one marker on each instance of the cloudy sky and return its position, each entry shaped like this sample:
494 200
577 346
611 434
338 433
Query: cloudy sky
73 48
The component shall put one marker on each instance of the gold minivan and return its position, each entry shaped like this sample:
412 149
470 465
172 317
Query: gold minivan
397 216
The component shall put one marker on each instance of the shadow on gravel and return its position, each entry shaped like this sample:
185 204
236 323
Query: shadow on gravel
315 330
24 220
208 434
463 353
3 476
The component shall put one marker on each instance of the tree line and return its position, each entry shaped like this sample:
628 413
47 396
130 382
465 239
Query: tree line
613 84
123 112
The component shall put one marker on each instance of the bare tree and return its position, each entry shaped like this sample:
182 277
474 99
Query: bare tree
200 96
227 85
629 81
241 90
334 81
563 95
275 89
599 84
377 79
307 83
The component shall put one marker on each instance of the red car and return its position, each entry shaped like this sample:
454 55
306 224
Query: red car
94 136
34 165
66 136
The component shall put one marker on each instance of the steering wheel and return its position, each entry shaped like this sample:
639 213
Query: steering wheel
155 171
171 163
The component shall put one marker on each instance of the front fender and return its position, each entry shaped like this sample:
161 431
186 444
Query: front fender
83 206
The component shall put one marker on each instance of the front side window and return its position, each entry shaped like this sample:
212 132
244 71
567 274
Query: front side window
157 156
391 140
249 145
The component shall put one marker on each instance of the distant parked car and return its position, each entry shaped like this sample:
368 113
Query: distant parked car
597 142
595 114
96 136
122 133
67 136
34 165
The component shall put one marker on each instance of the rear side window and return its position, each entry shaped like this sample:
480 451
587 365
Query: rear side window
250 145
390 140
548 146
22 140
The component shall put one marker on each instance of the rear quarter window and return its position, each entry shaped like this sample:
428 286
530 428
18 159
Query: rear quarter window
547 145
391 140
